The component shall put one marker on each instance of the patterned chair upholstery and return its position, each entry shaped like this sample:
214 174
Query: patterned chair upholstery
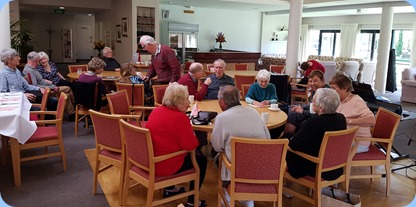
367 72
267 61
382 134
320 58
408 85
259 177
350 69
335 152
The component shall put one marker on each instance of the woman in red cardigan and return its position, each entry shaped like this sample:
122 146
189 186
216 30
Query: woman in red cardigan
171 131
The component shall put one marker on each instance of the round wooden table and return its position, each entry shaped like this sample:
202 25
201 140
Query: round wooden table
276 118
106 75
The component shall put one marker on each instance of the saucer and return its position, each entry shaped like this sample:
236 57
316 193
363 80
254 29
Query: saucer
278 109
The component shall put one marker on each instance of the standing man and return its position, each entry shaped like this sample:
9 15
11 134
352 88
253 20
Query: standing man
218 79
164 63
112 63
236 120
191 80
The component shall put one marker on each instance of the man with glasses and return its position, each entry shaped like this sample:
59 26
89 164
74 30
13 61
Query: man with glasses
164 63
112 63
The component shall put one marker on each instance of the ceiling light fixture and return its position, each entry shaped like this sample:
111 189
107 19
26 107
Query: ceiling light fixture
61 7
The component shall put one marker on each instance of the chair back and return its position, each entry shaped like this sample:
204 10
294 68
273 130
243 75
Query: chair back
61 106
187 65
240 66
74 68
386 124
106 130
268 164
350 68
138 143
158 93
210 67
276 68
208 73
244 90
243 79
45 98
367 72
118 102
135 93
335 149
281 82
330 70
88 94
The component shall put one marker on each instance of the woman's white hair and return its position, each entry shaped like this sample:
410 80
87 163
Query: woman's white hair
175 95
327 99
43 55
263 75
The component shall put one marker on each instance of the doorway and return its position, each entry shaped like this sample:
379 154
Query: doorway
84 41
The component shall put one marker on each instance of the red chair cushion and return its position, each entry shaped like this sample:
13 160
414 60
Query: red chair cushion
372 154
43 134
111 154
145 174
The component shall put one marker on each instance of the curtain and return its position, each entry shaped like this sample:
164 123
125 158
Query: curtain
413 56
304 42
349 34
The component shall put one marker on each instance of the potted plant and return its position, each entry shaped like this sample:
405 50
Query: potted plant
21 38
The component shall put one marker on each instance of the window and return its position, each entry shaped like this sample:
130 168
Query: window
329 42
368 44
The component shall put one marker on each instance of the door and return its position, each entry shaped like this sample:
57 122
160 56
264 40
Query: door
84 41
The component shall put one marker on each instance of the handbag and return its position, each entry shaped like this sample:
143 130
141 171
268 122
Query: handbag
204 117
339 198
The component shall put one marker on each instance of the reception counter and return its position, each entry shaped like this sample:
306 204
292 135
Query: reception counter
229 57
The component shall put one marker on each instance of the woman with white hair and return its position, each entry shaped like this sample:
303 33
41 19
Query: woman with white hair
171 132
262 93
309 138
49 71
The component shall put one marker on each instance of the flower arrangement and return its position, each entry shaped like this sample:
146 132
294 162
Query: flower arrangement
220 37
99 45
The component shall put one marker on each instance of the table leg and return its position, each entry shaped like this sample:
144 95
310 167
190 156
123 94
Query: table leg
14 145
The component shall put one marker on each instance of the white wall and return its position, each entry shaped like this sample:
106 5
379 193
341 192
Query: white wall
272 23
242 29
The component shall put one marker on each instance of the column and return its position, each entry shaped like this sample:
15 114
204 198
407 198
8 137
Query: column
5 28
293 39
386 26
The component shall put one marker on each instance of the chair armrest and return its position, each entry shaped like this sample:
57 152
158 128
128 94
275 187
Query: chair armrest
304 155
54 121
371 139
225 160
43 112
143 107
167 156
125 116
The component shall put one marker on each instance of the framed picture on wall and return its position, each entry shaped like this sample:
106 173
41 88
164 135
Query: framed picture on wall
125 26
118 33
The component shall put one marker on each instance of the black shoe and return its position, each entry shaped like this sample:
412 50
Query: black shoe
169 194
202 203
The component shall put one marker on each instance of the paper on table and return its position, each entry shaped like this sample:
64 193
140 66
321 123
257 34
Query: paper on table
257 106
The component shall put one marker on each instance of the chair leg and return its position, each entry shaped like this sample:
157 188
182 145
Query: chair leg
388 172
4 148
126 186
96 169
121 187
76 123
14 146
150 194
63 156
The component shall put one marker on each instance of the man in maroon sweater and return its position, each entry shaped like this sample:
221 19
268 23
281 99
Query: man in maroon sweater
191 80
164 63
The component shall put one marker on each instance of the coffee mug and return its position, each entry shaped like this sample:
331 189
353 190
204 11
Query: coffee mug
191 99
274 106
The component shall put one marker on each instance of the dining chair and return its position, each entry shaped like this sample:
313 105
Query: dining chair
87 96
186 66
208 73
335 152
276 68
244 90
118 104
299 92
109 147
42 105
140 166
259 177
158 93
210 67
240 66
243 79
75 68
136 97
45 136
379 150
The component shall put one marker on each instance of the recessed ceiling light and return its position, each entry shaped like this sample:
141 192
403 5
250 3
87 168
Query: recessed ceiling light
89 15
61 7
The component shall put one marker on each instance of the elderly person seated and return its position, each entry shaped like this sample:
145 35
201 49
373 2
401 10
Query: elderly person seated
191 80
218 79
95 68
354 109
298 114
262 93
309 138
111 63
171 132
49 71
128 75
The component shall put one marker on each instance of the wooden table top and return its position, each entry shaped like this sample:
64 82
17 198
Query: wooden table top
276 118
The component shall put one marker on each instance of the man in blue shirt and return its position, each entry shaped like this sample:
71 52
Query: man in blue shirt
218 79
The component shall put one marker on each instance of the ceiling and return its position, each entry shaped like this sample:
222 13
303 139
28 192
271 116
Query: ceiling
310 7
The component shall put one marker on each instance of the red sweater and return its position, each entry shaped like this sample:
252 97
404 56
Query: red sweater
171 131
187 80
315 66
165 66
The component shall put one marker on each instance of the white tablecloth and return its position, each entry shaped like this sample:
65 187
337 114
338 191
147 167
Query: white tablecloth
14 116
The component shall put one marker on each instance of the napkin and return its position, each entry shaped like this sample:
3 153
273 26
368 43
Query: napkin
195 110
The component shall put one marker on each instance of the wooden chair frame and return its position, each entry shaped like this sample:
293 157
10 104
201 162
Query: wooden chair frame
318 183
74 68
244 90
137 106
303 95
155 95
240 66
235 196
277 68
386 142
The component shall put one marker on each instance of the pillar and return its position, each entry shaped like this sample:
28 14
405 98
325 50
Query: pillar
293 39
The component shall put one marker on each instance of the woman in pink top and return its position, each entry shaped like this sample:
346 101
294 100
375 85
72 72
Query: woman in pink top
354 109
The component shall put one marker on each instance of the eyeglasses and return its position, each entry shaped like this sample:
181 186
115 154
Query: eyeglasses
144 46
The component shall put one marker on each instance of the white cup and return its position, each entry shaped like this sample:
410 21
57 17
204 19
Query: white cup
265 117
139 74
274 106
191 99
311 111
79 70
